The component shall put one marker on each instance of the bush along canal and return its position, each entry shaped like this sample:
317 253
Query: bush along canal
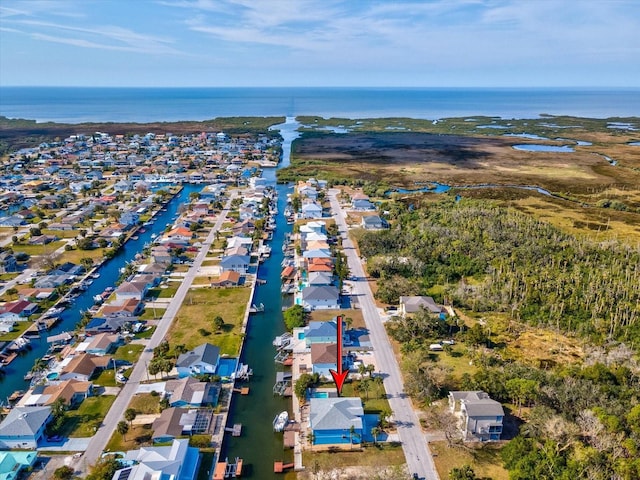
259 446
109 272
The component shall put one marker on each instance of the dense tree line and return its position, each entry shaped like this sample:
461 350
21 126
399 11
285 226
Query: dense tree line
519 265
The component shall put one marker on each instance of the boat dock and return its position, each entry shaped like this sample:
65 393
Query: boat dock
227 469
283 384
235 431
281 467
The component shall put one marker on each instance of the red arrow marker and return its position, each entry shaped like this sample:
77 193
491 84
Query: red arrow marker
339 377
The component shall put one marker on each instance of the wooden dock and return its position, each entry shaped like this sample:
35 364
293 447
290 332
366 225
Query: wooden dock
281 467
235 431
242 391
227 469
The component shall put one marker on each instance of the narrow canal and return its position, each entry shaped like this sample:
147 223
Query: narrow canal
109 273
259 446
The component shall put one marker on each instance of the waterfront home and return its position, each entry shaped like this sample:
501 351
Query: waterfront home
17 310
83 367
177 461
413 304
336 421
71 392
320 265
155 269
201 360
24 427
318 253
190 392
481 417
233 242
37 294
7 326
313 227
309 192
167 426
180 234
131 307
320 278
12 221
229 278
106 325
131 290
8 262
320 332
13 464
162 255
324 357
236 263
100 344
320 297
311 210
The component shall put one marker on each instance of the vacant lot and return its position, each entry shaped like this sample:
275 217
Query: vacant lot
194 322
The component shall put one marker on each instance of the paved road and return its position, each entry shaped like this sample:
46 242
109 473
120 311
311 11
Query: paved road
414 445
101 438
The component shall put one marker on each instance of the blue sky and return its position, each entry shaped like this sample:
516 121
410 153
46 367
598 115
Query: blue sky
430 43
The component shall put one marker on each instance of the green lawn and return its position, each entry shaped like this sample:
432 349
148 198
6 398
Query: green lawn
9 276
38 249
107 378
151 313
485 460
163 292
129 353
88 416
199 309
377 456
145 403
373 401
146 333
18 328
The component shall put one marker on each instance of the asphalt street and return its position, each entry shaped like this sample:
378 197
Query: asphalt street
414 445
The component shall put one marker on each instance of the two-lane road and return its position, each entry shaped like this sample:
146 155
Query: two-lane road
414 445
99 441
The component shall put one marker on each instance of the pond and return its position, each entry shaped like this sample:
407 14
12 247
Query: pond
531 147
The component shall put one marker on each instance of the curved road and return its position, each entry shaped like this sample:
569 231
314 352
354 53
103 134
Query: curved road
99 441
414 444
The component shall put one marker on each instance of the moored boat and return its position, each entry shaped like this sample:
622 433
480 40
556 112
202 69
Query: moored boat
280 421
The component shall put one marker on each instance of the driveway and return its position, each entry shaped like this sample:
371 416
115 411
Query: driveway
67 445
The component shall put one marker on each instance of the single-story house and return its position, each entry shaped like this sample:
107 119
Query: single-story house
106 325
337 420
413 304
167 426
128 290
131 307
320 278
8 262
229 278
201 360
324 357
102 343
190 392
17 310
24 427
482 417
83 367
72 392
321 297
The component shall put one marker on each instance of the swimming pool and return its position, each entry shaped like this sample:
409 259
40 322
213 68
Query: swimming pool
226 366
52 376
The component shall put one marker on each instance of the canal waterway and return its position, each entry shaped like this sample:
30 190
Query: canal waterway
258 445
109 272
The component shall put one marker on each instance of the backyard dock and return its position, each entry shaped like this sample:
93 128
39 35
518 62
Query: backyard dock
227 469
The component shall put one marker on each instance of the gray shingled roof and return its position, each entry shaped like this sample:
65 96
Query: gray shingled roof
483 408
24 421
205 353
321 292
338 413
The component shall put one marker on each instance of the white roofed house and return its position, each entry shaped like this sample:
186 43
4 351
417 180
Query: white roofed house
311 210
481 417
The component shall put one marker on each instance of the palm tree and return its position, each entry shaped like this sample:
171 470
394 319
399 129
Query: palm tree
129 415
123 428
375 431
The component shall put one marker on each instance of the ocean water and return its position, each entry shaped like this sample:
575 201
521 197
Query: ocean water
75 105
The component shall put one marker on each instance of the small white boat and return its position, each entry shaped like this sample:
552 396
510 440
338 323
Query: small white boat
280 421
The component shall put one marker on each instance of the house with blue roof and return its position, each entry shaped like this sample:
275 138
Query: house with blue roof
13 463
336 420
320 332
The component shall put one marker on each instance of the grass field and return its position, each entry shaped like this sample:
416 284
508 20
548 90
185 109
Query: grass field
199 309
485 460
145 403
137 436
128 353
378 456
18 328
89 415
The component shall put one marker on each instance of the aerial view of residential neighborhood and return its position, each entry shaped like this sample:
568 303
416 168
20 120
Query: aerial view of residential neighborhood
171 300
319 240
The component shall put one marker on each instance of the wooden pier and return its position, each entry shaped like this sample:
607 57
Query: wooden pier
281 467
242 391
235 431
227 469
